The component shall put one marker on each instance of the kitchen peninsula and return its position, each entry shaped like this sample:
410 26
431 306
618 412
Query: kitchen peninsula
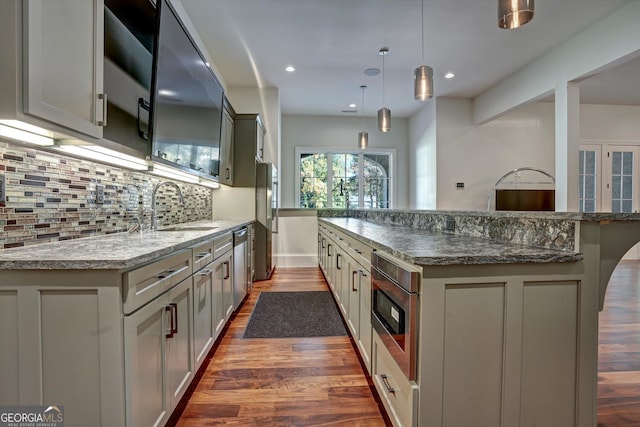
508 315
114 327
508 311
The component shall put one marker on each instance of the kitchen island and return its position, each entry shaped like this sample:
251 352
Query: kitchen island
508 328
113 327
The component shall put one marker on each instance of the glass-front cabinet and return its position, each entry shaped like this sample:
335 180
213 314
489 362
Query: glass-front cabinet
187 105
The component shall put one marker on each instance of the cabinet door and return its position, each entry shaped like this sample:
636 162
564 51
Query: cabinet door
364 339
259 141
219 269
203 326
179 360
227 285
353 312
345 284
338 266
226 149
144 371
330 268
63 63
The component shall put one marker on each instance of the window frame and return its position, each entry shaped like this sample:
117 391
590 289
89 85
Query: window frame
391 152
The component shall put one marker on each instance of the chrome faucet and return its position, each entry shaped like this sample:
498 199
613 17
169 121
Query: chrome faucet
154 220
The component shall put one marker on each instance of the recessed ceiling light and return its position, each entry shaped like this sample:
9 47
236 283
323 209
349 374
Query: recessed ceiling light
449 75
290 68
352 105
372 72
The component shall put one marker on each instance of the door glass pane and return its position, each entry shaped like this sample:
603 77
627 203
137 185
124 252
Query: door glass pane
587 180
622 181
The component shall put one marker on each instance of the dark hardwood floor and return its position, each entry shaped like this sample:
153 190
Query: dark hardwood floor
619 349
320 382
284 382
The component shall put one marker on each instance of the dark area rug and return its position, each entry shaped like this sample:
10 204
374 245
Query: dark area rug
295 314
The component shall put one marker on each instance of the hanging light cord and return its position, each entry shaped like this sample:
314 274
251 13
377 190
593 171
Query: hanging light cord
422 16
383 55
363 88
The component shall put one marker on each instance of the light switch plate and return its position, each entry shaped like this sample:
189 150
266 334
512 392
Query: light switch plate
3 189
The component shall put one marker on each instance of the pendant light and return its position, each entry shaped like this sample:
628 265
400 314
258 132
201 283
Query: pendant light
363 137
423 75
384 114
514 13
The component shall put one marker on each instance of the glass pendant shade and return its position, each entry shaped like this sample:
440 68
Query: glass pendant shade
363 140
514 13
384 119
423 83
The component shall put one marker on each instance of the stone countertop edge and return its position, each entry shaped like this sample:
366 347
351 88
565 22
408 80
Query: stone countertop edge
431 248
120 251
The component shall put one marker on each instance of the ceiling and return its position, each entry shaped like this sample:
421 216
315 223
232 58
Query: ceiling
332 42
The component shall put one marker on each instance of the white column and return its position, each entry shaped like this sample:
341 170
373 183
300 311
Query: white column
567 96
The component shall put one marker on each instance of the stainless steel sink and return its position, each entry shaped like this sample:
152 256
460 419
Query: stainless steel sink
187 228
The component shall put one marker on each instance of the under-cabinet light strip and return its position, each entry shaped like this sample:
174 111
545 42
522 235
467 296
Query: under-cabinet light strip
23 135
105 155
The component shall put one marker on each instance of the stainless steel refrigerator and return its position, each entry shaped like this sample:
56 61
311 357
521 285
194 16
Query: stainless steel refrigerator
266 219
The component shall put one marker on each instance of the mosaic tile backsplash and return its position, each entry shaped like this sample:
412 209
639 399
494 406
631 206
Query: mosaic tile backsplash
51 197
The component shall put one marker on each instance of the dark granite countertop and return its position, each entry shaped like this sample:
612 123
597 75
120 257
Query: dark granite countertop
425 247
119 251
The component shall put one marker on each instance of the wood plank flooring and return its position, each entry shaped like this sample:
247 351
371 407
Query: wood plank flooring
320 382
619 349
285 381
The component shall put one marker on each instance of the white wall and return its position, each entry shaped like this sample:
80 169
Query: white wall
266 102
479 155
341 132
422 165
610 123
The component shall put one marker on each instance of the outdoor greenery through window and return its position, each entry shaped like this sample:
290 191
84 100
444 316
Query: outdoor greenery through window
345 179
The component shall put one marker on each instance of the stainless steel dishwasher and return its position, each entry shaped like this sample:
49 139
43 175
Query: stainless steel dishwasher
240 279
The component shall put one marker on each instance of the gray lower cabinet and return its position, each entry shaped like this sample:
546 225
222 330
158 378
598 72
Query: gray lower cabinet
159 365
114 348
204 332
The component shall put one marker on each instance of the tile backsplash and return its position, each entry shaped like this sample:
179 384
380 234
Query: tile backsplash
51 197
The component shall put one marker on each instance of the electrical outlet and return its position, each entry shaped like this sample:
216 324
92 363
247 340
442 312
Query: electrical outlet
3 189
99 194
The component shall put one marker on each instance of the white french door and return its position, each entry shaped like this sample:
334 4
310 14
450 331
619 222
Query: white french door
620 191
609 181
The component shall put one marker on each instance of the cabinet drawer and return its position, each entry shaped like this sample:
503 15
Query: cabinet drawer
145 283
202 255
360 251
222 244
399 395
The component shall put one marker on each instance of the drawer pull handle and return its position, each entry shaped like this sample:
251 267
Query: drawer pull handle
173 313
205 272
228 272
385 380
203 254
358 251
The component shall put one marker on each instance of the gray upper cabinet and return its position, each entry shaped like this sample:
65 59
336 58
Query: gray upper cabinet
129 31
249 138
226 145
51 65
